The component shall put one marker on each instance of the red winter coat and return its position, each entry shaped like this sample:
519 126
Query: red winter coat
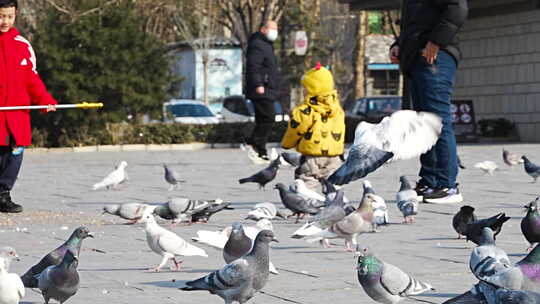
20 85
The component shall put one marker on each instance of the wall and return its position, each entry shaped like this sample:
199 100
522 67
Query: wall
184 66
224 73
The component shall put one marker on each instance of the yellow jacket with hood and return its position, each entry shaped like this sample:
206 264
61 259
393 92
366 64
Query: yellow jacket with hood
317 126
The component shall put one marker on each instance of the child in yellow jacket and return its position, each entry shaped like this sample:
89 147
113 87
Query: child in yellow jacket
317 128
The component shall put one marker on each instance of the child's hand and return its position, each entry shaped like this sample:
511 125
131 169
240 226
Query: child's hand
51 108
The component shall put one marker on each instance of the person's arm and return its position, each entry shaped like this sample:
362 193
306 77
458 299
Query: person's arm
255 59
452 19
35 86
299 124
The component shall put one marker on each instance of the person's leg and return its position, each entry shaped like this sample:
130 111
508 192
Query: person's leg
10 164
264 121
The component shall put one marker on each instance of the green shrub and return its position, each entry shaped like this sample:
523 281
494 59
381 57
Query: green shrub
499 127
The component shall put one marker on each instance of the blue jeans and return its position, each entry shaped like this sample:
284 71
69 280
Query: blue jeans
9 168
431 90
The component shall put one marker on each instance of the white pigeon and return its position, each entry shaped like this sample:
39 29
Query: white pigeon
113 179
299 187
168 244
218 239
264 210
11 287
487 166
403 135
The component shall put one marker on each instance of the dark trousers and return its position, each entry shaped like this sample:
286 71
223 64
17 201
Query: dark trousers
9 168
431 91
265 114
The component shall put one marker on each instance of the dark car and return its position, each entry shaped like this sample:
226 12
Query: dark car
374 107
239 109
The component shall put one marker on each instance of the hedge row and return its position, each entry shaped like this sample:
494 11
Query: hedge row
161 133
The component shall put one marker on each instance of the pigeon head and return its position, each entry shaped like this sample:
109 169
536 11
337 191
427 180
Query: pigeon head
367 264
405 185
148 219
237 230
524 158
280 186
8 254
111 209
467 209
266 236
82 233
367 187
487 237
123 164
265 224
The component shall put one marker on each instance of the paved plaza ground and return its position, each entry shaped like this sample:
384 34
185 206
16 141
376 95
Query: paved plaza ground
55 189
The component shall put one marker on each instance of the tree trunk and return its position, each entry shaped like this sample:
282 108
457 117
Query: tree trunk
360 69
205 60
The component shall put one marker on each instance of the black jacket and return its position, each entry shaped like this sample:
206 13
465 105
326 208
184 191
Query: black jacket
438 21
261 68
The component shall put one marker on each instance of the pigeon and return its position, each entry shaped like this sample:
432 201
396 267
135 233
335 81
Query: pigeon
265 210
466 298
218 239
296 203
474 229
300 188
386 283
485 258
511 159
264 176
487 166
292 158
530 224
56 256
358 222
460 163
505 296
531 168
240 244
172 177
462 218
380 210
179 209
113 179
60 282
242 278
327 187
168 244
130 211
407 200
403 135
11 287
203 216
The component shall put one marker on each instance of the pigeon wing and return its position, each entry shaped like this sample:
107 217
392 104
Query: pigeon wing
362 160
397 282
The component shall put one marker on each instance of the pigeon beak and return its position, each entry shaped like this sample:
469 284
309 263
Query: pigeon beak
90 235
17 259
275 240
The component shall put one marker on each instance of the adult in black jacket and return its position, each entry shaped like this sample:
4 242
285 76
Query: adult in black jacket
428 53
262 83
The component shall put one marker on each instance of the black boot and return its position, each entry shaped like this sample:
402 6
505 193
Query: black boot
7 205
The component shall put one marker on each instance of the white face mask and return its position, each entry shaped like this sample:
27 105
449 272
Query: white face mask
272 35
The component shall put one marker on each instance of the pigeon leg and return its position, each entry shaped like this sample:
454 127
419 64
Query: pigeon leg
171 188
132 222
297 218
163 262
348 245
176 265
458 236
326 243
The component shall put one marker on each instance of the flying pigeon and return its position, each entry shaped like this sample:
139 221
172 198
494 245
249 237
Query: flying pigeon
462 218
380 210
179 209
130 211
113 179
296 203
474 229
511 159
384 282
242 278
531 168
60 282
56 256
530 224
11 287
487 166
403 135
300 187
265 210
172 177
264 176
487 255
407 200
168 244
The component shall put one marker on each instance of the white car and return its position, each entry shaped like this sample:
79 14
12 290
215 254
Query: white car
188 111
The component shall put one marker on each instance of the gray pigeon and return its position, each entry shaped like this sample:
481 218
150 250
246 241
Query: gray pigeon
462 218
530 224
264 176
511 159
56 256
296 203
531 168
485 258
60 282
237 245
505 296
407 200
292 158
172 177
241 279
131 211
385 283
215 206
179 209
474 229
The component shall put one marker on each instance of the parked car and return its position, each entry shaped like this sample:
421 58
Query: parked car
188 111
374 107
237 108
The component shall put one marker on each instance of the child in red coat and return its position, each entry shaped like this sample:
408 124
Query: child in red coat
20 85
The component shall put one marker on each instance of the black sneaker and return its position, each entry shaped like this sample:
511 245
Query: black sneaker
7 205
444 196
422 190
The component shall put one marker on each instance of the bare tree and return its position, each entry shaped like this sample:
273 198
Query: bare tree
199 35
360 86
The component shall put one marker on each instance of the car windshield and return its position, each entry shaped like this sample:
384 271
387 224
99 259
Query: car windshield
189 110
384 105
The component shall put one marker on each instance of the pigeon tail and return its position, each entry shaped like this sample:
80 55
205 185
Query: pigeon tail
244 180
